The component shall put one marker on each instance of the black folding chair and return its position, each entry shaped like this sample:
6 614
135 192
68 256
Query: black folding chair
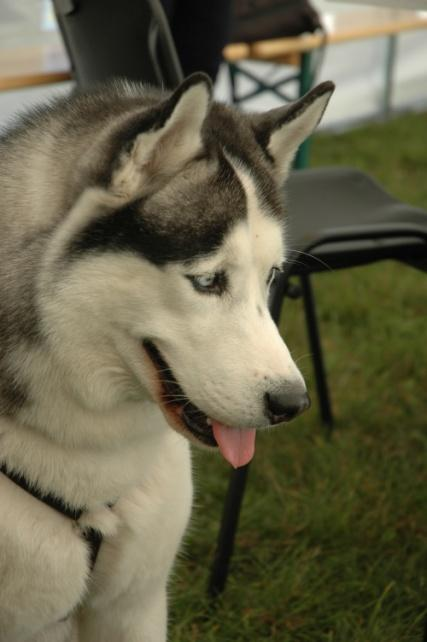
340 217
108 38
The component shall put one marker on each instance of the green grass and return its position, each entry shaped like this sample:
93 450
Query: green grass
332 544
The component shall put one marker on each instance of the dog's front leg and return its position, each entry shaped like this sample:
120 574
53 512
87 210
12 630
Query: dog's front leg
132 618
127 596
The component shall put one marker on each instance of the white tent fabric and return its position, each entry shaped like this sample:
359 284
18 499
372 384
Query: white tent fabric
356 67
396 4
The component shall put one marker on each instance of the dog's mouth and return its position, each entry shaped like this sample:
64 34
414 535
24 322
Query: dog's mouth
237 445
173 399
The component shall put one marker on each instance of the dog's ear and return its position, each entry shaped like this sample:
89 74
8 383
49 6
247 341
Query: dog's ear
281 131
172 138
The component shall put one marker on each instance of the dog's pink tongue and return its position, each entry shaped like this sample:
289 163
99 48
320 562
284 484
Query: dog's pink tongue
237 445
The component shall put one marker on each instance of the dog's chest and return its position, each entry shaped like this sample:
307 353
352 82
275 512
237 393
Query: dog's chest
146 524
141 534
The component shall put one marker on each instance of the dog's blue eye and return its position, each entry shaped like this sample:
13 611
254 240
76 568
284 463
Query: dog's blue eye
205 281
208 283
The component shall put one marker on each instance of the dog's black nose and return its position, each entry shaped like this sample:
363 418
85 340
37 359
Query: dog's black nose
284 405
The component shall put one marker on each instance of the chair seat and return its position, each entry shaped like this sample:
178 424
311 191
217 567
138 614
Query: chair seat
341 218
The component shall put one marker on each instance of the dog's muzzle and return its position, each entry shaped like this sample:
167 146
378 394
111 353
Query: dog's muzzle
236 444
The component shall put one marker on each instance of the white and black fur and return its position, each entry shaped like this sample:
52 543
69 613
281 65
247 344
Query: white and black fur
139 232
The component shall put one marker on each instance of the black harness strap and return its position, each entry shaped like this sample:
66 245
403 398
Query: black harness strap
92 536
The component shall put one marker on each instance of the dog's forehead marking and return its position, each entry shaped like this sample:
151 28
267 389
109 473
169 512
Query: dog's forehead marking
255 239
266 230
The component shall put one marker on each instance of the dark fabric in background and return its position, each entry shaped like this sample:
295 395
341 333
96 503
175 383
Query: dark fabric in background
263 19
201 29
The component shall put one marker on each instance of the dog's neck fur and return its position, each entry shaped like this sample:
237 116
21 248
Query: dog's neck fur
104 452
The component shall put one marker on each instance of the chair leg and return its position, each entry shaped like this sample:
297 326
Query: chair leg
232 72
227 532
237 484
316 349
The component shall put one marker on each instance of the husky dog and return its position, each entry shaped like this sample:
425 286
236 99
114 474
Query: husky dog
140 233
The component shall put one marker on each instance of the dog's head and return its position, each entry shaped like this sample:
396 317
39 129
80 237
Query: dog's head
157 282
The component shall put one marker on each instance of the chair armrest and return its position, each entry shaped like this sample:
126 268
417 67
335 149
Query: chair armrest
356 233
363 233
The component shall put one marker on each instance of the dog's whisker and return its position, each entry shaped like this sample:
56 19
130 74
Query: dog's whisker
161 370
311 256
172 395
173 400
303 356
